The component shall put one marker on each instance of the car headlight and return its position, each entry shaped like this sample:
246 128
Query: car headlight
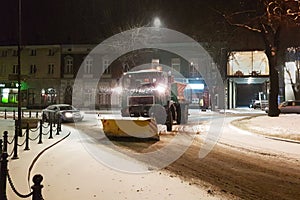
68 115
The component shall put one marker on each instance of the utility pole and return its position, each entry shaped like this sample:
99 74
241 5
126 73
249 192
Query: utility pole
18 124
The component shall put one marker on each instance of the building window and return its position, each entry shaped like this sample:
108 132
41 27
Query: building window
32 69
50 52
4 53
175 63
68 65
106 67
2 69
51 69
33 52
155 63
15 69
15 52
88 65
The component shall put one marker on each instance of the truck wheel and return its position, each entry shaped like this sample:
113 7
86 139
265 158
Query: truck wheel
184 114
169 122
159 113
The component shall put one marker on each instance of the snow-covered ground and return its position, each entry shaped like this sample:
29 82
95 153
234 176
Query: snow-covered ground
70 172
286 126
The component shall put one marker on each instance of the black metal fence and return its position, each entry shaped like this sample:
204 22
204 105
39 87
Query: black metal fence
12 114
53 127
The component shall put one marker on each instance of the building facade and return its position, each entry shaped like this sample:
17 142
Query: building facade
79 75
40 75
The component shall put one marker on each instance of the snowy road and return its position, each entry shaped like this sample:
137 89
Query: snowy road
240 165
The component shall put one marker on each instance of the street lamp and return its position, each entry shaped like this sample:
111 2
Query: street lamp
18 130
157 22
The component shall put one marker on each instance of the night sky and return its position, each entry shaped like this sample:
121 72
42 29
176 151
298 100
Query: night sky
92 21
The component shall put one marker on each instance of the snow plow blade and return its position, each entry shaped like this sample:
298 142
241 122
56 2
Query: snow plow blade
138 128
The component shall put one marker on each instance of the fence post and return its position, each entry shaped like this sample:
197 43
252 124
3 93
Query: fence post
5 117
50 136
59 124
5 135
27 138
37 187
15 156
41 132
3 168
57 127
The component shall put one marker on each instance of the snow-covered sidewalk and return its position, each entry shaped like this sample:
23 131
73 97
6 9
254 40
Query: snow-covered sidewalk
286 126
70 172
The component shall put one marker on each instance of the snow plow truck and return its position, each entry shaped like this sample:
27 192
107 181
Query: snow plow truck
148 97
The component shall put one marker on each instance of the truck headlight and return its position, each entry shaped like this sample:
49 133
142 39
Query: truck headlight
160 89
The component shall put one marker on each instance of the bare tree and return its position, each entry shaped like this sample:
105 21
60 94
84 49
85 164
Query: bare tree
269 18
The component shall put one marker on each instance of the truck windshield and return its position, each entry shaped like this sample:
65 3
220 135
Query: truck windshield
138 80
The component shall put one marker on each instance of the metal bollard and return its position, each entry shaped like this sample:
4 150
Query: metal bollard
14 114
37 187
36 114
30 114
3 176
57 130
27 138
5 136
15 156
59 124
41 132
50 136
3 169
5 117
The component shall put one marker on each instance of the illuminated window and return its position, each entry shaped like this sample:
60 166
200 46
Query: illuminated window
154 63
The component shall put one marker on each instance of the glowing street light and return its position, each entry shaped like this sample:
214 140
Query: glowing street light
157 22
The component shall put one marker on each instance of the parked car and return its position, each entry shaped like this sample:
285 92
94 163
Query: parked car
66 112
255 104
291 106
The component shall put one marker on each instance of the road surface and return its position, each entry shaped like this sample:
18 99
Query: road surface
239 166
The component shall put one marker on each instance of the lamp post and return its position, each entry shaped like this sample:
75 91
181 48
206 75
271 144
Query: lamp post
18 130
